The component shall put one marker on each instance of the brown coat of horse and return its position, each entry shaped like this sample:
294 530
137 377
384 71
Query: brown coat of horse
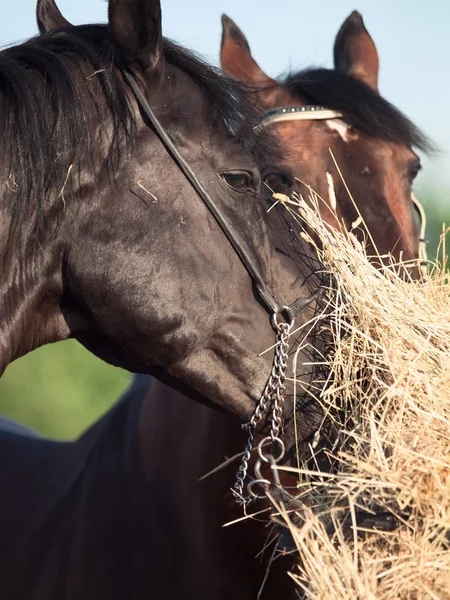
378 167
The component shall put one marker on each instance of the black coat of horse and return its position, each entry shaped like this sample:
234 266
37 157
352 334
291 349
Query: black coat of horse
102 236
104 239
103 518
78 519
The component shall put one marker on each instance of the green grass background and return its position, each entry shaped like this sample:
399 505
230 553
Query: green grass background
62 388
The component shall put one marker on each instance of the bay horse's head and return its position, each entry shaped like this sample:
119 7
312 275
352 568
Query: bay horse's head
372 142
106 237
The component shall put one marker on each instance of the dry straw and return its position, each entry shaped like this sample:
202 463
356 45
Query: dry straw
377 526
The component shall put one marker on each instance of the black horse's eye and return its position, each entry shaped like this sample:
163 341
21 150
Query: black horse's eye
239 180
277 180
413 170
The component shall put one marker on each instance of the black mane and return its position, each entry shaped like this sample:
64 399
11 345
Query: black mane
44 113
361 107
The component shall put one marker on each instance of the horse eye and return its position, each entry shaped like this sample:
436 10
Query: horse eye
277 180
239 180
413 170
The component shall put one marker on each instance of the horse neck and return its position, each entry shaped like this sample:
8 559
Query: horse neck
182 441
183 436
122 515
30 291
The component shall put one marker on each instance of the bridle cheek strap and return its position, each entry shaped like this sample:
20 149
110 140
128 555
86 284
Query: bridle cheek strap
423 257
273 307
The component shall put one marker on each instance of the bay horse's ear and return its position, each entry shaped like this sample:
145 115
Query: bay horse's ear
135 26
235 56
49 17
355 53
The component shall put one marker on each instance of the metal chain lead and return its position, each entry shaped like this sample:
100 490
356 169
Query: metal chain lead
272 399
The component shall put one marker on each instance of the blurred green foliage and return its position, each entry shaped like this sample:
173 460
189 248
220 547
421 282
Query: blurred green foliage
62 388
437 208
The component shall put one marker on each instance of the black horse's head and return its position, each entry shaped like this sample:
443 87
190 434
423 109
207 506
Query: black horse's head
103 237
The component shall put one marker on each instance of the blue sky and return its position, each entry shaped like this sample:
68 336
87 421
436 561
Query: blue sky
412 38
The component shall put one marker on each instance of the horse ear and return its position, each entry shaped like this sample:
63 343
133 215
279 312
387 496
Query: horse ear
355 53
135 26
235 55
49 17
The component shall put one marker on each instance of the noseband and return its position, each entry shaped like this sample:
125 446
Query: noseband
298 113
318 113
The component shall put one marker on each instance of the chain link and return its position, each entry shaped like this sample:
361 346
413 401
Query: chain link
272 402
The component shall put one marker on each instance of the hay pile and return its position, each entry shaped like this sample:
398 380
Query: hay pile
378 526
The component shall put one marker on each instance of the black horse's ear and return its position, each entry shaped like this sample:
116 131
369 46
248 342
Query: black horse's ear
235 56
135 26
355 53
49 17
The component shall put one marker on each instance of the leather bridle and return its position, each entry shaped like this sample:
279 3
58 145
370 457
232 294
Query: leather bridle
307 112
317 113
272 398
275 308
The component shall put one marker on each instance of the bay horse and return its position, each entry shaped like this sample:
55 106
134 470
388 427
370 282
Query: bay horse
372 143
154 263
329 117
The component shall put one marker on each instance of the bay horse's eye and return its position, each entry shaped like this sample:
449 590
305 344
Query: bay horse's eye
239 180
413 169
277 180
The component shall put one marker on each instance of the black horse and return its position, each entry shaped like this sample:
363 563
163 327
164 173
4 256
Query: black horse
107 235
104 238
